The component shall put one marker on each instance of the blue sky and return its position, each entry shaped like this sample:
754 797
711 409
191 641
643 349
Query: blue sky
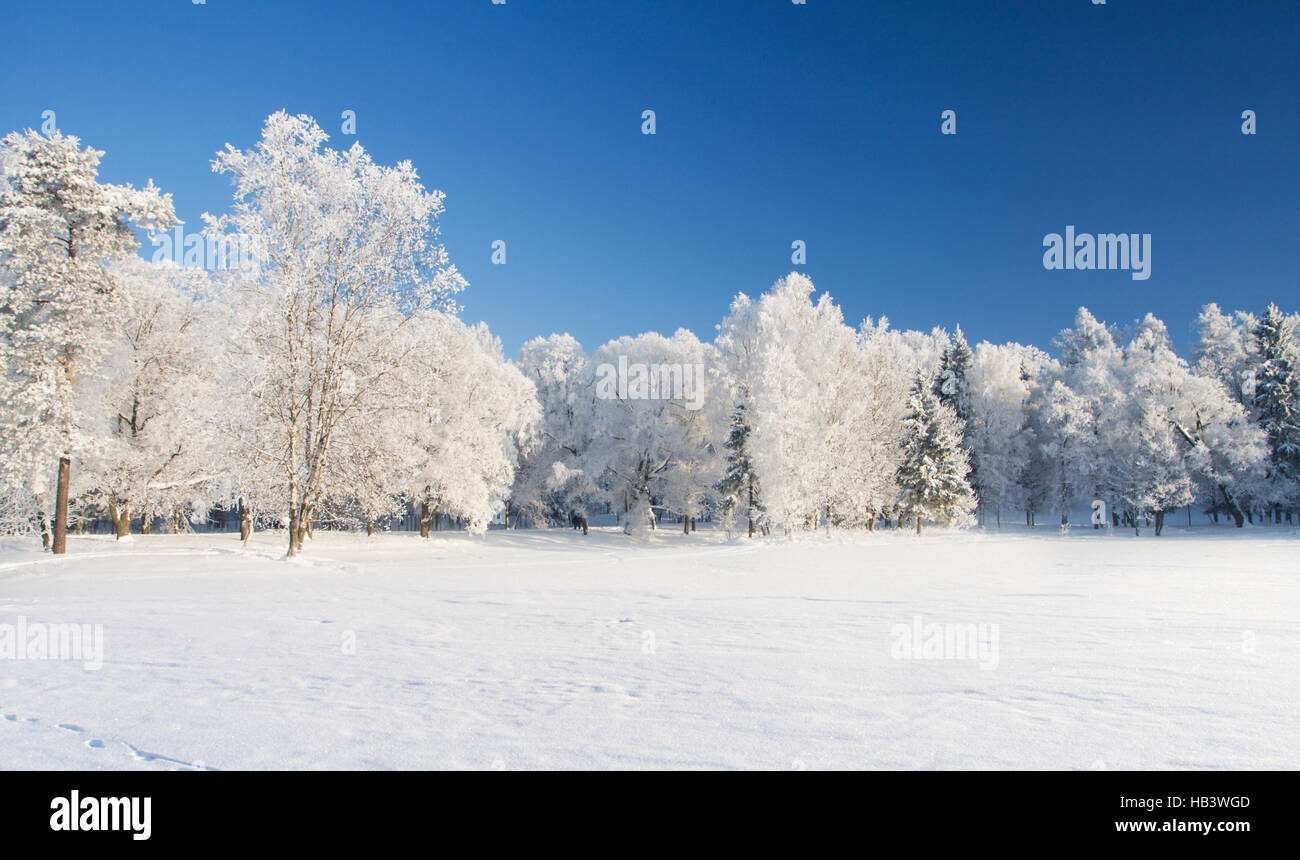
775 122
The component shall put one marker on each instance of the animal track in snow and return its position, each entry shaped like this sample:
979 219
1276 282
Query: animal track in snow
97 744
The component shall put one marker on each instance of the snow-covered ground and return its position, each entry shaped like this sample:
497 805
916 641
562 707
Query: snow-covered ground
545 649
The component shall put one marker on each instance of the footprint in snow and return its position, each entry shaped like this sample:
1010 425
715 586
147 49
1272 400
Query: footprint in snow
95 744
69 727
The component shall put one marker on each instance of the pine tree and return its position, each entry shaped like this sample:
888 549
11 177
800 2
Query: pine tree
1277 404
932 478
58 226
950 384
952 388
741 495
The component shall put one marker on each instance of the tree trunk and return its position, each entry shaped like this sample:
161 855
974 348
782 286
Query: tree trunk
751 526
245 522
918 525
295 533
370 526
146 525
123 522
425 519
60 544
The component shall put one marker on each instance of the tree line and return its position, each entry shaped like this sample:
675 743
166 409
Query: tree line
333 383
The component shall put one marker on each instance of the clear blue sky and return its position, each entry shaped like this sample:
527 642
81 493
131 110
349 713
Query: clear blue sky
775 122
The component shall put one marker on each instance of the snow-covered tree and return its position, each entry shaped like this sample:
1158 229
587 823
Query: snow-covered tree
372 453
477 409
802 392
659 450
1225 350
1145 467
59 227
740 489
932 477
657 427
347 245
825 404
886 363
999 388
551 485
950 383
1228 351
155 397
1073 397
1277 404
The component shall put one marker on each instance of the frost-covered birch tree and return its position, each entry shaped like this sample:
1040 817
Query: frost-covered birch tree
551 485
345 245
474 412
155 397
999 387
657 427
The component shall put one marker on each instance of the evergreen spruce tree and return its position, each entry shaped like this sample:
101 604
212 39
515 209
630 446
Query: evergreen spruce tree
1277 405
932 478
950 384
739 485
952 388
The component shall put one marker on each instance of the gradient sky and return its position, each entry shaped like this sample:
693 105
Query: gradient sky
775 122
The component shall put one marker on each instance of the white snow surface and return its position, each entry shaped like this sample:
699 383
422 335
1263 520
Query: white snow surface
547 649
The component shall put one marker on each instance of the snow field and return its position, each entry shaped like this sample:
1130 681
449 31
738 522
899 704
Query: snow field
542 649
